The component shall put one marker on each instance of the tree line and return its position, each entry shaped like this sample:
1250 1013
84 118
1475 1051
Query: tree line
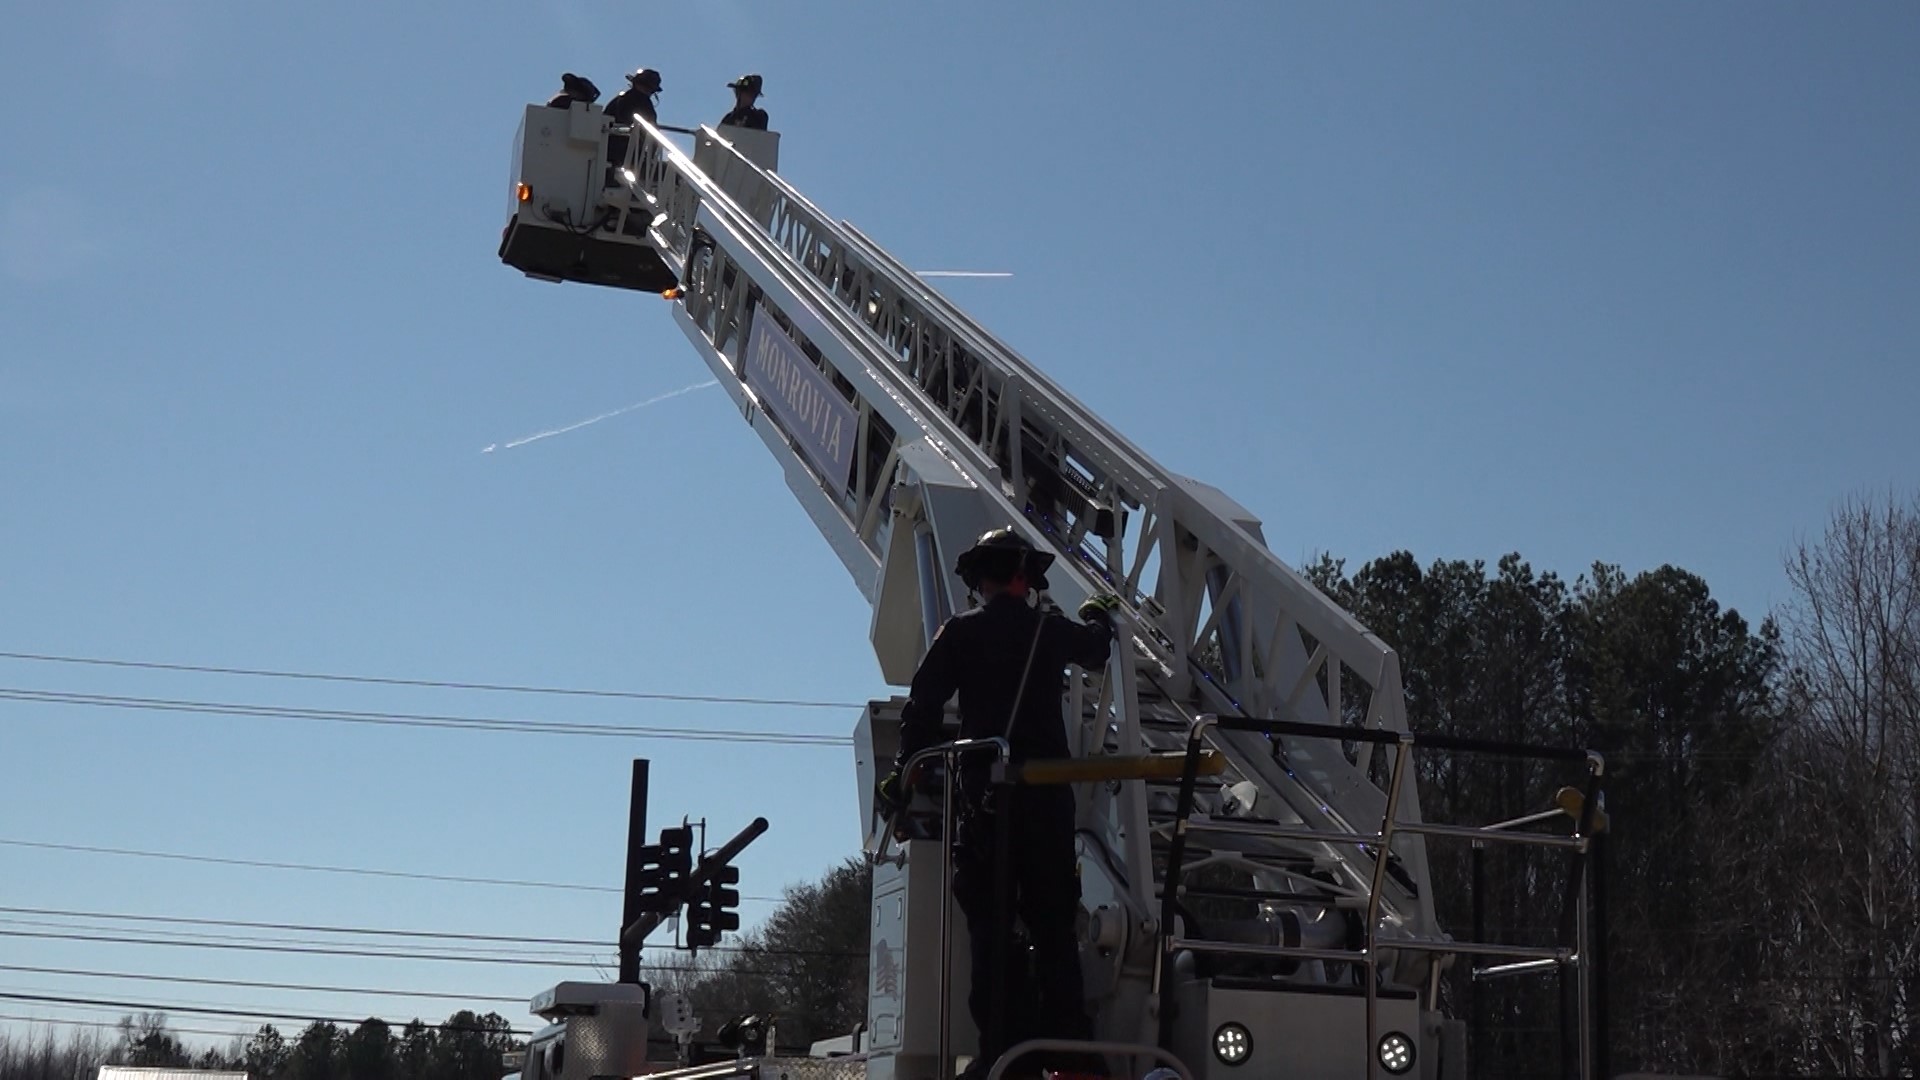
466 1047
1762 785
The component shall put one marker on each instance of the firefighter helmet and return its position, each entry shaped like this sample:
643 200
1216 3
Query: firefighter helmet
579 86
1000 555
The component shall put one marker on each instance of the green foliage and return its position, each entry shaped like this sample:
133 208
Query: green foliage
369 1052
146 1043
316 1054
469 1047
807 964
816 943
1680 695
266 1053
417 1049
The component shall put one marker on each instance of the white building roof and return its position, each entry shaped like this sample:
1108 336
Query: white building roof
124 1072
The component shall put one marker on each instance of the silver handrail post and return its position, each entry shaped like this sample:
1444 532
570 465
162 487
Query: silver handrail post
950 754
1581 984
946 918
1162 987
1583 917
1380 857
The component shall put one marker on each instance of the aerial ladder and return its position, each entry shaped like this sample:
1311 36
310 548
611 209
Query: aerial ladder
1253 856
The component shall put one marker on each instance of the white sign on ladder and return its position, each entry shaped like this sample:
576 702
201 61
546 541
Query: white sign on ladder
815 414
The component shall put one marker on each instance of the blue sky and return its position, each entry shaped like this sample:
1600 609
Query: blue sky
1633 283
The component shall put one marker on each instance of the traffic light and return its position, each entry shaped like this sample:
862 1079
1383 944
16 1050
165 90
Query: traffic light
715 910
724 901
663 868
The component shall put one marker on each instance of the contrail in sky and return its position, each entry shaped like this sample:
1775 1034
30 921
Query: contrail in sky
603 416
964 273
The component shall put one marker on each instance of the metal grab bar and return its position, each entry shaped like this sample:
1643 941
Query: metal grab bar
963 746
1424 741
1170 889
1555 954
1381 857
1507 971
1095 768
1458 832
1468 832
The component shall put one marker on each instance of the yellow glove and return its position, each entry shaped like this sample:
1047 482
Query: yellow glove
890 793
1099 607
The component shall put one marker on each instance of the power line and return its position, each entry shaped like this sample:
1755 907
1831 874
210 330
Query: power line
63 1022
302 928
539 726
316 868
203 936
82 973
418 720
425 957
134 1006
309 950
360 931
436 684
321 868
183 1003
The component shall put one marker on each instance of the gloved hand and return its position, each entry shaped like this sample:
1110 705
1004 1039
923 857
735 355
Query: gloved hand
890 794
1099 607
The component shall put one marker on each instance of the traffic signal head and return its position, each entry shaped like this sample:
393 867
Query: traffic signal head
713 910
663 867
723 900
677 843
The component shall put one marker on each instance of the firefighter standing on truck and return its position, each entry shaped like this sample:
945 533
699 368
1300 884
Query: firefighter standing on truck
1006 658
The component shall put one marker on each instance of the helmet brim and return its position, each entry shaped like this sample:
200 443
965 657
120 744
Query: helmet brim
974 565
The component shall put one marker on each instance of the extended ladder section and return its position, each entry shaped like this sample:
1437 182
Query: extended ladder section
905 428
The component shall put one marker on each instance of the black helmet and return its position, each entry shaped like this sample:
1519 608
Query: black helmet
646 79
999 555
750 83
579 86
